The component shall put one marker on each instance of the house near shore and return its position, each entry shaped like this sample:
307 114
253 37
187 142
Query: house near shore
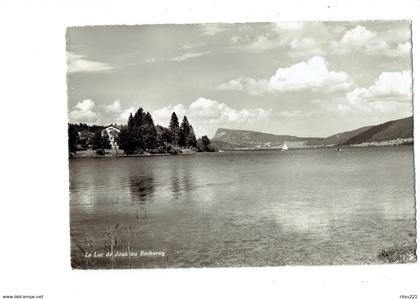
112 133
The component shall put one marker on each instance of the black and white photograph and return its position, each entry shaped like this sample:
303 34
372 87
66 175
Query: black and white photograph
241 144
209 149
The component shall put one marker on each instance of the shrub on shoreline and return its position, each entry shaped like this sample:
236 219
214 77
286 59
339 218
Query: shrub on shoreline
399 254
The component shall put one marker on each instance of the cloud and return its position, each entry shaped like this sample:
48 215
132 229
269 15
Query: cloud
162 116
389 86
400 50
115 107
151 60
123 117
187 56
207 115
315 101
211 29
360 39
86 105
83 112
383 110
305 47
189 46
213 111
399 34
235 39
250 85
289 35
78 64
277 35
311 75
338 29
357 37
295 113
390 94
389 97
264 42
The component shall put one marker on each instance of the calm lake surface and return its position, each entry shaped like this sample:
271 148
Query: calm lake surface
244 208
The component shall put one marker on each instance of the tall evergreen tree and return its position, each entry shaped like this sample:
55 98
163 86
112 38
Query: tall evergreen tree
141 134
174 128
149 132
184 132
190 138
137 133
187 137
126 140
182 140
73 138
131 122
138 118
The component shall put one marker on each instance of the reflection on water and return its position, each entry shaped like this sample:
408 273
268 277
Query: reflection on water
142 188
252 208
313 221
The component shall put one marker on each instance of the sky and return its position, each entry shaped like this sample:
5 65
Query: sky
309 79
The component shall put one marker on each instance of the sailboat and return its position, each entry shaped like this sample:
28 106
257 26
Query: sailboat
284 148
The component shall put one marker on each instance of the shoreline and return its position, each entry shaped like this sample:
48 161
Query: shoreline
393 142
190 152
91 154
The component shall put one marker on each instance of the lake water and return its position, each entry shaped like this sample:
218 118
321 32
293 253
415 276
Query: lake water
244 208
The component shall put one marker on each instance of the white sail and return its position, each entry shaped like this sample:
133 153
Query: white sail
284 148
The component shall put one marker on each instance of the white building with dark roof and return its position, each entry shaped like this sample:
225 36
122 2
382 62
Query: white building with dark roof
112 133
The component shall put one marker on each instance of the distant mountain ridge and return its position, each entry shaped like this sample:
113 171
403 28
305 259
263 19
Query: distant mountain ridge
231 139
340 138
228 139
391 130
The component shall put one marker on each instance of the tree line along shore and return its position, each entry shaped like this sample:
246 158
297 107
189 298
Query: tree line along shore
140 136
